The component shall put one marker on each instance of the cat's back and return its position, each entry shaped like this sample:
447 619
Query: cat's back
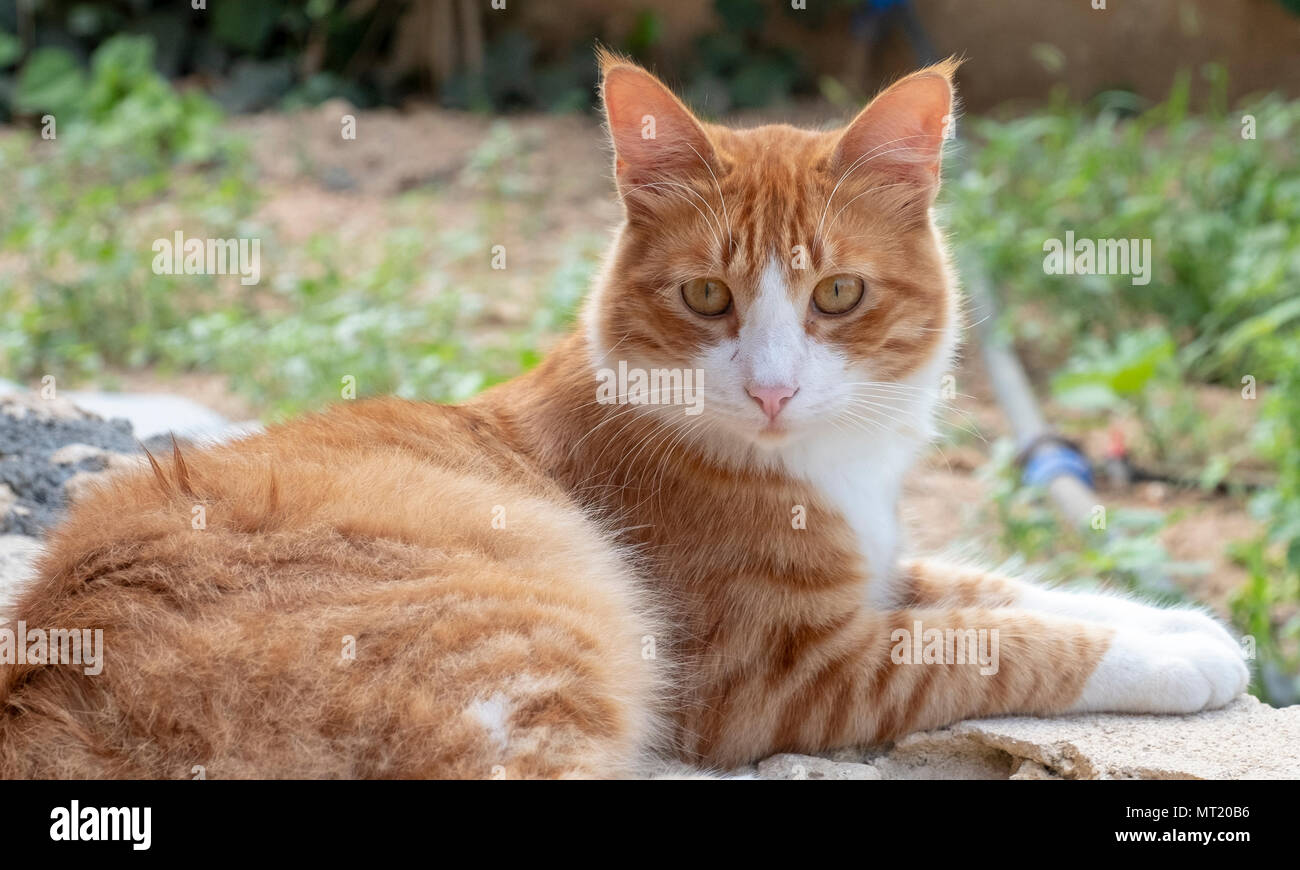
385 589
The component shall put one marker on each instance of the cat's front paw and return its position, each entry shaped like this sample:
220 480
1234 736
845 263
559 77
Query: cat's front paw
1188 621
1172 671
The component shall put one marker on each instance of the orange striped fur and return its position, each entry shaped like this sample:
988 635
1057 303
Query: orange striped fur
541 583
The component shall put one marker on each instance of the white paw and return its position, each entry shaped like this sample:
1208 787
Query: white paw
1182 620
1120 612
1184 670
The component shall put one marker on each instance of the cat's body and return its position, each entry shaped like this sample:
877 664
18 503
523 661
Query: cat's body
544 583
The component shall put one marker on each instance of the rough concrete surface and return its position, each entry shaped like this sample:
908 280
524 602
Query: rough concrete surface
1245 740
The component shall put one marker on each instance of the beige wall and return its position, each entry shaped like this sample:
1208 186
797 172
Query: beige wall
1138 44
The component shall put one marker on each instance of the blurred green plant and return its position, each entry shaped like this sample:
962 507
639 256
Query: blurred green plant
1269 606
122 106
134 160
260 54
1103 376
1222 211
257 53
290 356
81 293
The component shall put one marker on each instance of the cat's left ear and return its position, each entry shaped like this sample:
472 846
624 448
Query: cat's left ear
656 138
902 131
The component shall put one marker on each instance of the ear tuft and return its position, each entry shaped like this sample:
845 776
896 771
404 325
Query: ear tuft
607 59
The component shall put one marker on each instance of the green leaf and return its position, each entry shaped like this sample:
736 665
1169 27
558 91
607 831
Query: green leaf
245 25
1076 391
1254 328
51 82
11 48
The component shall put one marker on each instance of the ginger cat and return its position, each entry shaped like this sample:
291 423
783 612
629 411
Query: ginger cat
562 579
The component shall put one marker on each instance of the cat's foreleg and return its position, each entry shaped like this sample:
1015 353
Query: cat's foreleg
1145 638
882 675
962 644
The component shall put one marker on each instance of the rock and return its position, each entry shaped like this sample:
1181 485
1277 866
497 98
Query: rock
790 766
1033 770
95 464
22 404
942 755
17 560
1245 740
32 430
72 454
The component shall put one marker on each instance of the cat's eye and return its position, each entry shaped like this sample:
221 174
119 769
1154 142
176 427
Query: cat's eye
838 294
707 296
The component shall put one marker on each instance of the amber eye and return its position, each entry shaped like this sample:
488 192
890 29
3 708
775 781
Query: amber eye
838 295
707 296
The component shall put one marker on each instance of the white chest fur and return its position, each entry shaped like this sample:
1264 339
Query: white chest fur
860 472
862 478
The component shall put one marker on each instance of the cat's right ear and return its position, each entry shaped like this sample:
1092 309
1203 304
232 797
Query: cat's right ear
656 138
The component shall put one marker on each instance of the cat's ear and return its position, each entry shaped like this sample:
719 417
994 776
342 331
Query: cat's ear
656 138
902 131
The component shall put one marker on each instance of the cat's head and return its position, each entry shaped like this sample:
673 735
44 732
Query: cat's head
800 271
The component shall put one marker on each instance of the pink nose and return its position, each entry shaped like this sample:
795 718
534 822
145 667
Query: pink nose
771 399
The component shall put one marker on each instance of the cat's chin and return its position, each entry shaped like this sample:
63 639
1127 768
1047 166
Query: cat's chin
765 438
773 436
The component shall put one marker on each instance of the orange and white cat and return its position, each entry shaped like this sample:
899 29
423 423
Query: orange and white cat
564 579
